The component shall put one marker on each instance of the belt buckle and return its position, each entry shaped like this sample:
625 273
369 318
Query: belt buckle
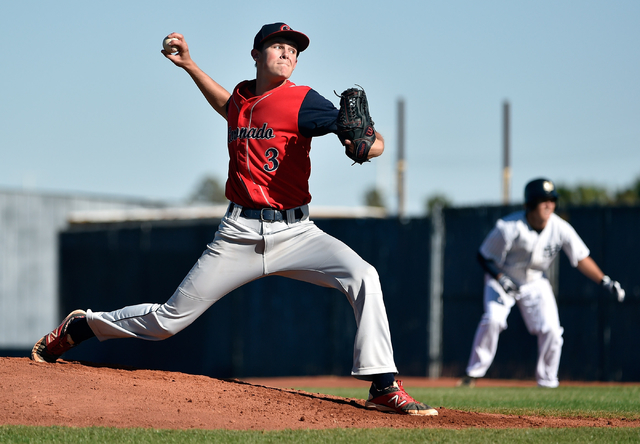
273 217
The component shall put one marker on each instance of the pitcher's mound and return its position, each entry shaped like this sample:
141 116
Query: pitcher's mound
70 393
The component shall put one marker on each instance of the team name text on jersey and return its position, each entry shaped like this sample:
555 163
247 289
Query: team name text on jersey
251 133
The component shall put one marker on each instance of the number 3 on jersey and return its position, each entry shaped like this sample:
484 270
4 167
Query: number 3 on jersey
272 158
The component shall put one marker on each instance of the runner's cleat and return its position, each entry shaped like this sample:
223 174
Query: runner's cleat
467 381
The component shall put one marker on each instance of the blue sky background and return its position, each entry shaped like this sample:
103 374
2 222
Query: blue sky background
90 105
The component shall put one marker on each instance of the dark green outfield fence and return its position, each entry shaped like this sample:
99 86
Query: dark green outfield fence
281 327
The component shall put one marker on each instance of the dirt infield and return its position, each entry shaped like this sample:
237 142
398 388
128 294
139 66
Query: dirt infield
70 393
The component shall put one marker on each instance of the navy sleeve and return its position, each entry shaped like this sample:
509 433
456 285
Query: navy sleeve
488 266
317 115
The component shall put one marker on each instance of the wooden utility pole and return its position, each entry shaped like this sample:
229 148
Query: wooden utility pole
506 166
401 161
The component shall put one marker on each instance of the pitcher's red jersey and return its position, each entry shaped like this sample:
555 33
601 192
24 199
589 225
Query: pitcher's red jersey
269 139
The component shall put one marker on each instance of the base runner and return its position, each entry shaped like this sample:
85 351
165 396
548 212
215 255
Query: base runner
515 255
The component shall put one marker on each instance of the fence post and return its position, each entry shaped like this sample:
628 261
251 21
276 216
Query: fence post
434 328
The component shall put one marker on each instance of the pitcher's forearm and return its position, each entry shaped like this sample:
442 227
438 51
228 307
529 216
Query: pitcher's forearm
212 91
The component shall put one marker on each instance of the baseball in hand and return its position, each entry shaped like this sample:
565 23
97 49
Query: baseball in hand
166 44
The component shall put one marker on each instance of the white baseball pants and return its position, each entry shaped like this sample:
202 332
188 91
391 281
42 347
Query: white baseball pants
247 249
539 310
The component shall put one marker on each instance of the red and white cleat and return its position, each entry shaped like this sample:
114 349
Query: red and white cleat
394 399
56 343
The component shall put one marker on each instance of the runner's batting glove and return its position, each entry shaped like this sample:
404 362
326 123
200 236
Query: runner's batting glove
507 284
613 287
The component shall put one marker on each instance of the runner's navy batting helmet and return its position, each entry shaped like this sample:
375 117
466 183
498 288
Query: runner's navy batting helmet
538 190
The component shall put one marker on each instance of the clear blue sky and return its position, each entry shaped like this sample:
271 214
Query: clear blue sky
88 103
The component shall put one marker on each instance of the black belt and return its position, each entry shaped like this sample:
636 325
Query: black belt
265 214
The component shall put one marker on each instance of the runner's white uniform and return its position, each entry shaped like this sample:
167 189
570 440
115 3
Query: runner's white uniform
524 255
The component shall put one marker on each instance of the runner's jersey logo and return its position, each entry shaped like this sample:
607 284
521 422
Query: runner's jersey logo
552 250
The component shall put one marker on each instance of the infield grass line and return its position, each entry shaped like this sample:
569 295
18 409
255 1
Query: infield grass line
594 402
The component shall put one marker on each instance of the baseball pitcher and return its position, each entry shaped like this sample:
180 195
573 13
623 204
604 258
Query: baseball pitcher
267 230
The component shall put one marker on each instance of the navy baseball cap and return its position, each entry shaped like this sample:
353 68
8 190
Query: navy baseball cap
280 29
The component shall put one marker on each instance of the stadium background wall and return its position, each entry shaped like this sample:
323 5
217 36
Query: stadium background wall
281 327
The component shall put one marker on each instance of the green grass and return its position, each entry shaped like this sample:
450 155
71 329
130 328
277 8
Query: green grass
607 402
34 435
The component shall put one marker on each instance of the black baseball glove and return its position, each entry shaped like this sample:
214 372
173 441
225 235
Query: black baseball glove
355 124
